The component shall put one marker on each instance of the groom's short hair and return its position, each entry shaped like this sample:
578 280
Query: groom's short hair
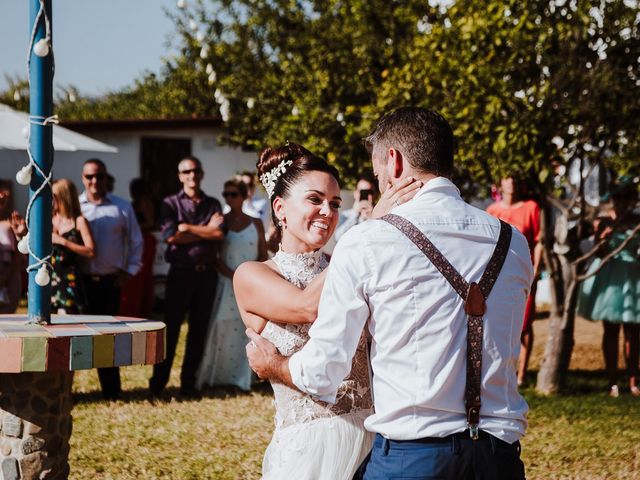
422 136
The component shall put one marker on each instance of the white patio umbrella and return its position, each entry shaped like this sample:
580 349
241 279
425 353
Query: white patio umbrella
13 124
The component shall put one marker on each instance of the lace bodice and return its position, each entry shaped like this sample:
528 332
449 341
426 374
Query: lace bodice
292 406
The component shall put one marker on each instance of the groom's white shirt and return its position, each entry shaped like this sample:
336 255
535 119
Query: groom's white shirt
378 278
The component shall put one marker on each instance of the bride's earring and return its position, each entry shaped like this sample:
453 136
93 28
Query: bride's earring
283 223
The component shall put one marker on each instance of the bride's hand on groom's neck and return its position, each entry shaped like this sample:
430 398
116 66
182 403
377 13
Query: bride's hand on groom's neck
403 191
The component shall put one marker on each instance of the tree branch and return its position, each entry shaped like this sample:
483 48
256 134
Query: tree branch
613 253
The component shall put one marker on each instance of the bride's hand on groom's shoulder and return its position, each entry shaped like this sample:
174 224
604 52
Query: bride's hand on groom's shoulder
396 195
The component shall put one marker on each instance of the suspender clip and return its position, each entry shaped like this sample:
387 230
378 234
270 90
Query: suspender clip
474 433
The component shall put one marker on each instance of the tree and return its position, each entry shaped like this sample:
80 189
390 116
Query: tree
530 88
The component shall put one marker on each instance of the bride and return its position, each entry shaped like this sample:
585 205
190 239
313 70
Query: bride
279 299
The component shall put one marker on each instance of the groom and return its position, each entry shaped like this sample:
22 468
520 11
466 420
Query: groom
379 280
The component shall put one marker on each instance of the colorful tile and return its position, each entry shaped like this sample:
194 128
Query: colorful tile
103 351
81 353
58 354
122 350
34 354
110 328
138 348
11 357
152 339
146 326
70 330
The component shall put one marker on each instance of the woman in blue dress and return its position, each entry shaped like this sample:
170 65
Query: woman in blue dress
224 362
613 293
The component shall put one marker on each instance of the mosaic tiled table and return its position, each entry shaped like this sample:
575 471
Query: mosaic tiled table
36 373
78 343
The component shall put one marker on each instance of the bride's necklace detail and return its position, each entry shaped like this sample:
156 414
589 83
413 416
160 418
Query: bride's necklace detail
300 268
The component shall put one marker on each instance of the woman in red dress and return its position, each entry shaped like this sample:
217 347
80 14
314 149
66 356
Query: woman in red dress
525 216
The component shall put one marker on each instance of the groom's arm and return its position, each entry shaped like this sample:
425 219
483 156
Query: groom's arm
320 367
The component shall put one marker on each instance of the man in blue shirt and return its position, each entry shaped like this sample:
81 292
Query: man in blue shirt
118 253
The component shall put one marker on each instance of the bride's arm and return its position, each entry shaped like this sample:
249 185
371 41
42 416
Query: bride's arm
262 294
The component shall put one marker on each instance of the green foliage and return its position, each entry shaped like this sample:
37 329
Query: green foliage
517 79
16 94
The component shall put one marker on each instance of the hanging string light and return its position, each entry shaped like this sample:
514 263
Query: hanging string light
41 48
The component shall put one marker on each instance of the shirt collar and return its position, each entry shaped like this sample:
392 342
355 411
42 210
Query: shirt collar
441 185
182 194
82 198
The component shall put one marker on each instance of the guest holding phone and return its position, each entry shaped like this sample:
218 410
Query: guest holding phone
364 197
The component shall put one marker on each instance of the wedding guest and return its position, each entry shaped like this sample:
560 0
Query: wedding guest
191 225
446 402
137 296
11 261
224 361
364 197
525 216
72 240
254 205
118 254
612 292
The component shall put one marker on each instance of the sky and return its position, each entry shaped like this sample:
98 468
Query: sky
99 45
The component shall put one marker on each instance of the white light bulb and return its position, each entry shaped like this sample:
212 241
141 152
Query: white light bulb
209 69
16 96
23 177
181 3
42 277
200 36
26 132
251 102
23 244
204 52
41 48
212 78
295 111
193 25
340 117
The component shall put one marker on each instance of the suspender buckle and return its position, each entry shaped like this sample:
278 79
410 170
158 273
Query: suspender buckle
474 432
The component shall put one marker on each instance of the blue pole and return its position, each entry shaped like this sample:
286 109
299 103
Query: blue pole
41 140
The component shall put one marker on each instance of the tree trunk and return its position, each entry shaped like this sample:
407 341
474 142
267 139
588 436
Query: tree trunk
557 352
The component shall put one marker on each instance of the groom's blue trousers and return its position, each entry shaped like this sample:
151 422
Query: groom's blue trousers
455 457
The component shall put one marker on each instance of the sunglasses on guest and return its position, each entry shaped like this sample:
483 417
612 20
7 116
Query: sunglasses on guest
230 194
97 176
196 171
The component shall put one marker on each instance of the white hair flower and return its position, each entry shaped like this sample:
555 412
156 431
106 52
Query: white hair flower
270 178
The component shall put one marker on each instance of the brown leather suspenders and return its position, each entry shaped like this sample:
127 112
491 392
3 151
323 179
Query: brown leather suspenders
474 296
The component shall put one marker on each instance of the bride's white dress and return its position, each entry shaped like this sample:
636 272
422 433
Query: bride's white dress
314 440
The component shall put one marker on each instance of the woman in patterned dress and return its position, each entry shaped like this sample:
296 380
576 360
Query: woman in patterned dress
72 240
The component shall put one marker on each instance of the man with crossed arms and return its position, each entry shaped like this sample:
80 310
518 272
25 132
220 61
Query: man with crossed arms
417 321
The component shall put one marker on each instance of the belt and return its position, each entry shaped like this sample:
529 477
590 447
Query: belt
460 436
198 267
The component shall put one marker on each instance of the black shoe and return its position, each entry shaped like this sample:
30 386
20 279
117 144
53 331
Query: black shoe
190 393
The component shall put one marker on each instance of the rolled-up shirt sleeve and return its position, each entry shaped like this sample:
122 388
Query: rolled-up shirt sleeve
168 220
320 367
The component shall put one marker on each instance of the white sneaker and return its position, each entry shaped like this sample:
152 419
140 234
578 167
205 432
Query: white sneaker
614 391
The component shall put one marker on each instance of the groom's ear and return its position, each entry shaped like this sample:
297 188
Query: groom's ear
395 163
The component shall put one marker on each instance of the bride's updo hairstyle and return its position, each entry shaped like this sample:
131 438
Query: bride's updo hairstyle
280 168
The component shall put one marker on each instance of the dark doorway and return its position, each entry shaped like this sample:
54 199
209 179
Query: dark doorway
159 158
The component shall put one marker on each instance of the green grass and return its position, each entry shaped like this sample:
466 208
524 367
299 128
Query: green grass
580 434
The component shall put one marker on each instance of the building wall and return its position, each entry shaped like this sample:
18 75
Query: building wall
220 162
